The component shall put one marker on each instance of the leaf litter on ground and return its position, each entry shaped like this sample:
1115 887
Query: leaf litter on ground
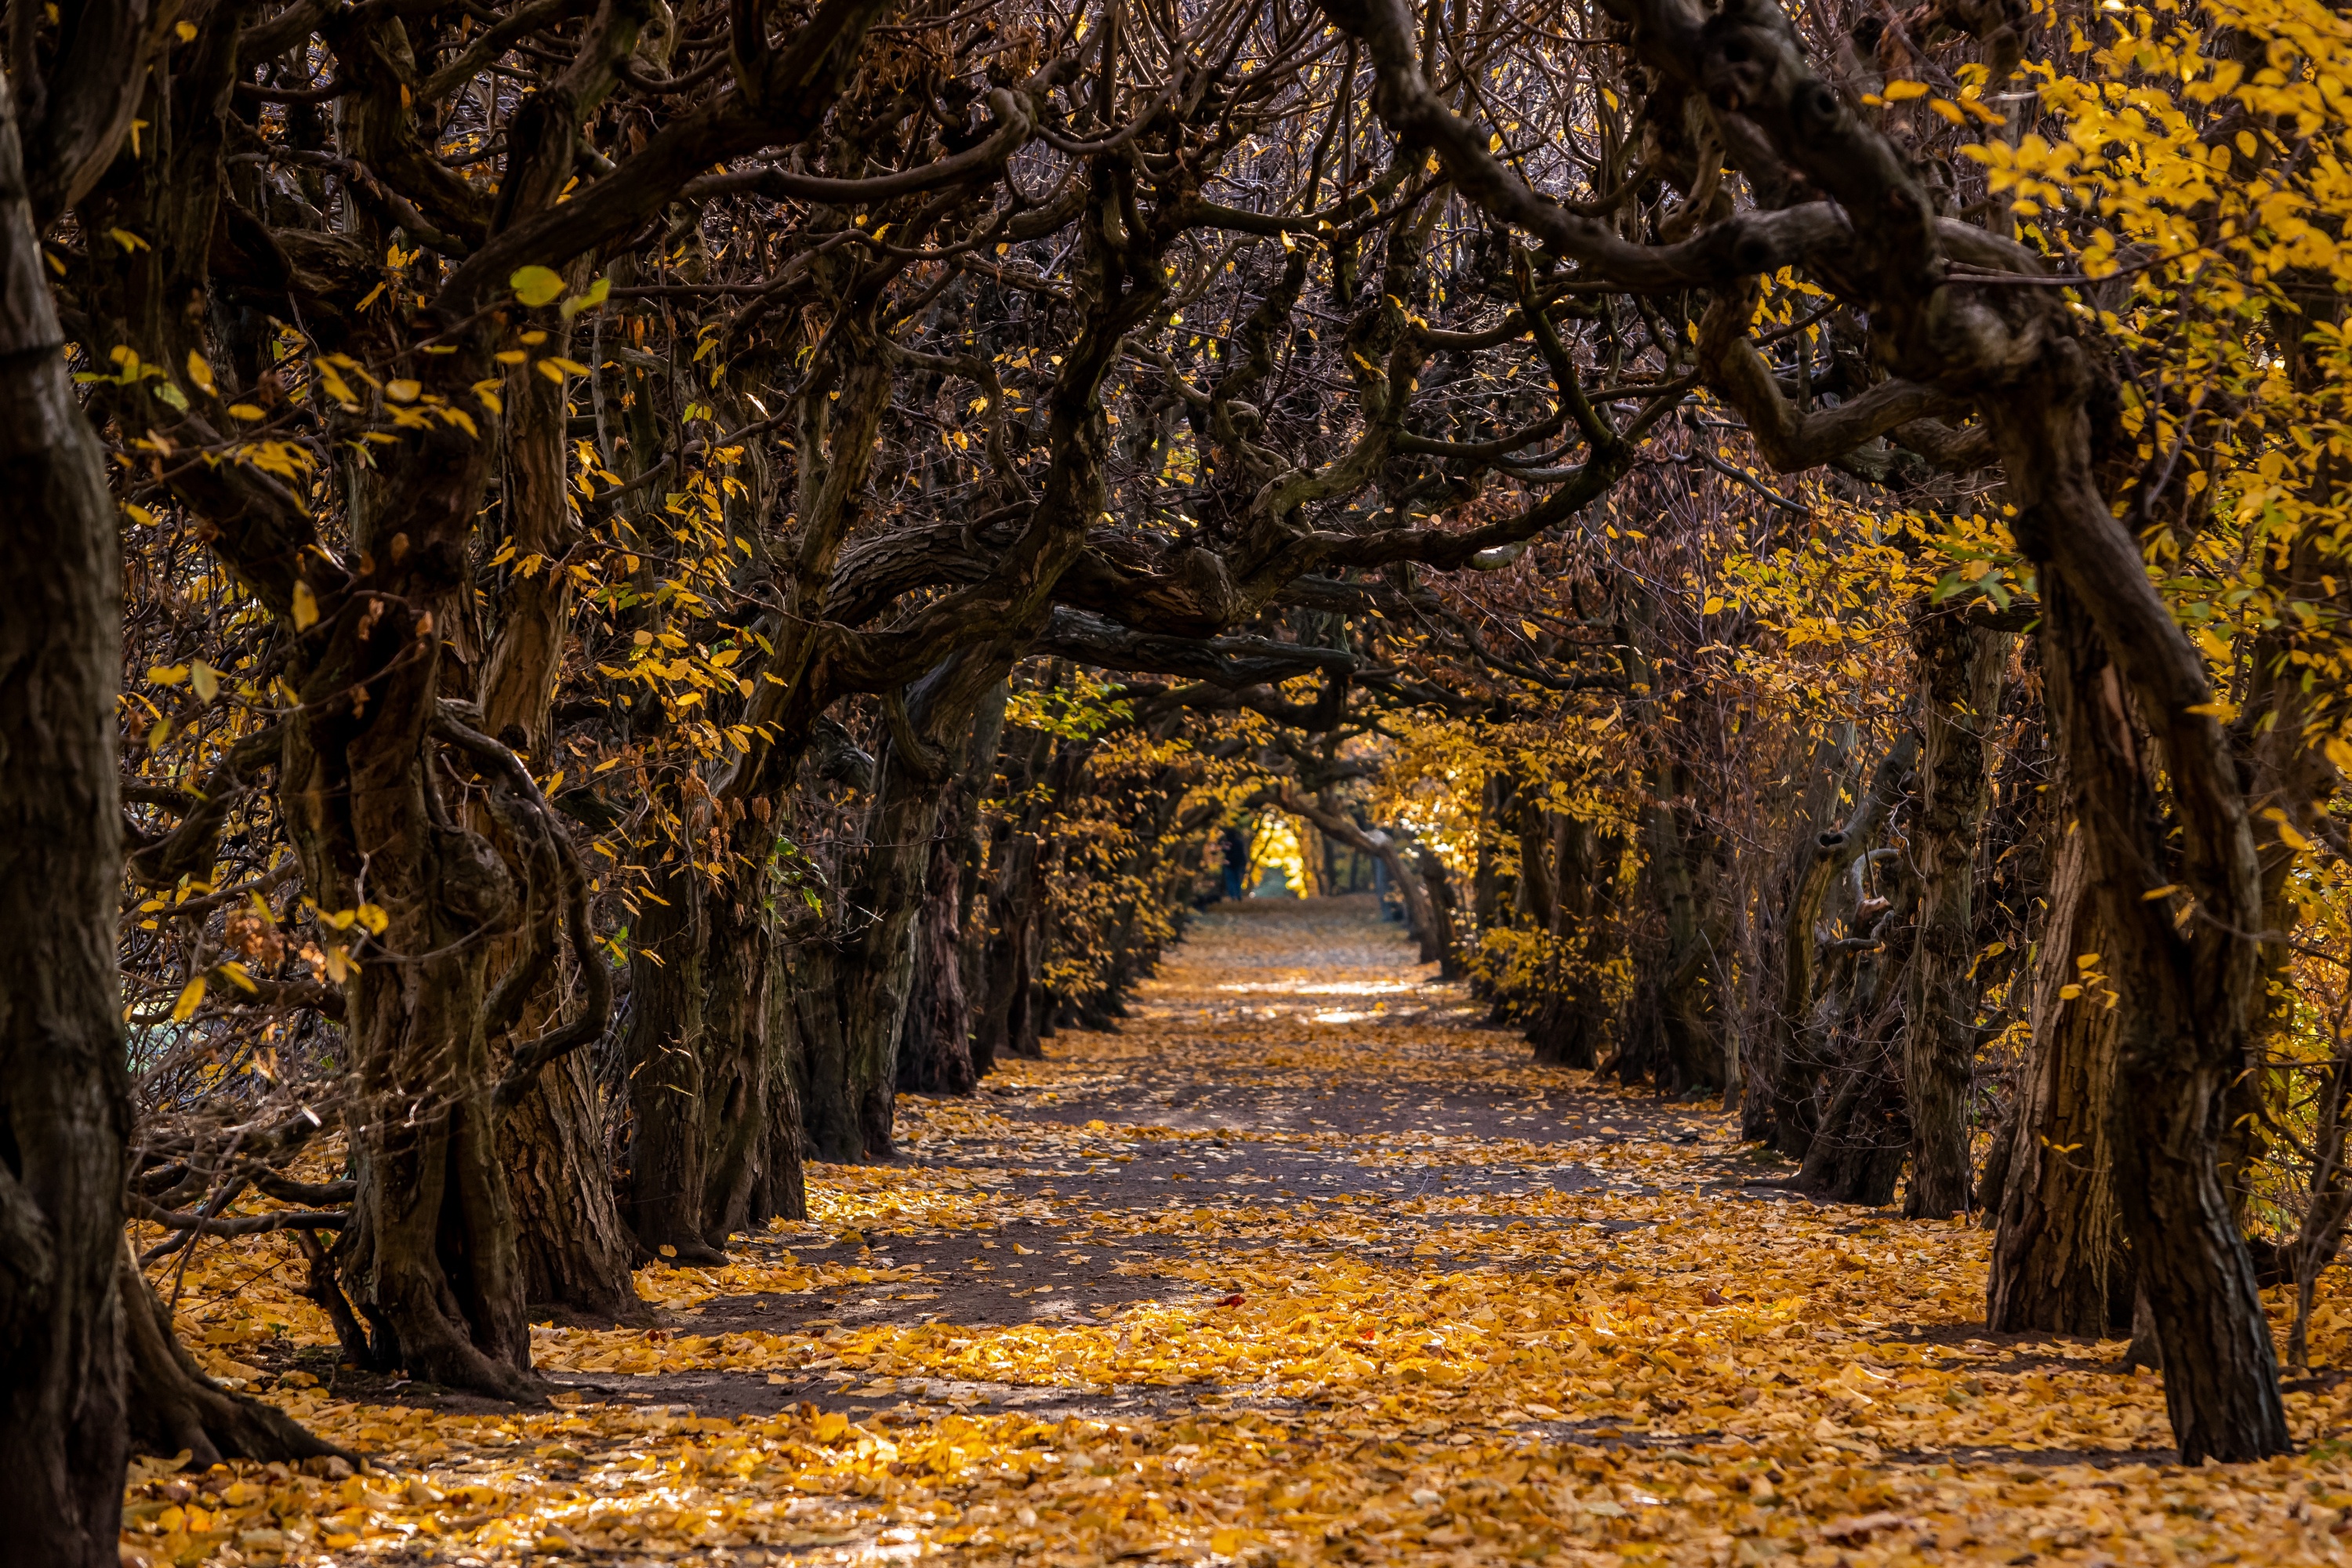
1523 1318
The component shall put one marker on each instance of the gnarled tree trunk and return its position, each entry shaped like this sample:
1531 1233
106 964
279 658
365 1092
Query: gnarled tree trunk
1959 697
2186 1006
63 1099
2057 1260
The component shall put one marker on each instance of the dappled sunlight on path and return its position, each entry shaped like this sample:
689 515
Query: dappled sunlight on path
1300 1265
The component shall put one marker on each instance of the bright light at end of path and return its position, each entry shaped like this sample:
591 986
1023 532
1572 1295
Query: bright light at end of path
1352 988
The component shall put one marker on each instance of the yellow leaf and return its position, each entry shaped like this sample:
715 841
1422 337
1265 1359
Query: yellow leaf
1898 91
192 996
596 294
198 370
536 285
402 391
205 680
306 607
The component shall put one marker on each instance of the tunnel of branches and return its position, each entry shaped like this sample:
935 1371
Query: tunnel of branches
599 590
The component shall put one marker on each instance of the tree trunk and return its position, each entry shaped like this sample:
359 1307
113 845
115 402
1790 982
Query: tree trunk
780 1187
2057 1264
574 1249
1004 1028
2186 1004
935 1056
64 1098
1793 1055
433 1265
736 1057
1441 911
1958 700
664 1198
1565 1031
1675 1032
1413 893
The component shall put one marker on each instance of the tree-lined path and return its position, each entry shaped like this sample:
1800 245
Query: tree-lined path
1300 1265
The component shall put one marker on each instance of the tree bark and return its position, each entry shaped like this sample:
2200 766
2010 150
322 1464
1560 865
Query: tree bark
664 1197
2057 1264
935 1055
573 1246
2186 1004
574 1249
1794 1054
64 1097
734 1051
1565 1028
1959 699
1441 911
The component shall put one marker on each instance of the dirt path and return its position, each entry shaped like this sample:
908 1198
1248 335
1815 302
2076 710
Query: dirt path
1290 1063
1303 1264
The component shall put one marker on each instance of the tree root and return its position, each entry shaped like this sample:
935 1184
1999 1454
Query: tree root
174 1407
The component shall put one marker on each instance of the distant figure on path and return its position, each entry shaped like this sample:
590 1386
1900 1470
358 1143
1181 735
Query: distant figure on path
1236 845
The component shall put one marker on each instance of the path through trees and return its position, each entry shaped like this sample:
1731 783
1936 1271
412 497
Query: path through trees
1302 1263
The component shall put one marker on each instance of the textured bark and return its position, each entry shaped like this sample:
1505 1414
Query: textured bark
63 1099
751 1170
853 1010
1856 1156
1007 1025
935 1056
1421 921
1565 1028
2181 1038
573 1248
1795 1053
830 1109
1441 911
2057 1262
780 1188
1958 696
1786 939
1674 1030
664 1196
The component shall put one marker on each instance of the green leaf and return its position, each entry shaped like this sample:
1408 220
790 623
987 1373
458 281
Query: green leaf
536 285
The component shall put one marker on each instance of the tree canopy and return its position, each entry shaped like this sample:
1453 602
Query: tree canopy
604 588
